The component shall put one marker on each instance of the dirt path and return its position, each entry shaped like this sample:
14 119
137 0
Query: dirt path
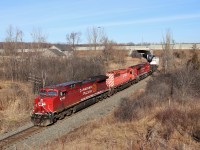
67 125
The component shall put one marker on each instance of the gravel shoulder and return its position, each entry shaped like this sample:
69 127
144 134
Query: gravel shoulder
62 127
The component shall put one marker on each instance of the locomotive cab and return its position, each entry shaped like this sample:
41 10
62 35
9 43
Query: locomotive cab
48 92
43 106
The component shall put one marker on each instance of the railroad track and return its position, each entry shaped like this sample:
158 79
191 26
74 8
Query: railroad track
14 138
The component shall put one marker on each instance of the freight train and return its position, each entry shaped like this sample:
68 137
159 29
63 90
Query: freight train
57 101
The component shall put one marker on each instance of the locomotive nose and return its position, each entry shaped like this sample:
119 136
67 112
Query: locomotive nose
41 102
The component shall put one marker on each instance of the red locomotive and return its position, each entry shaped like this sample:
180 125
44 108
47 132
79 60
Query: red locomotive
120 79
142 70
55 102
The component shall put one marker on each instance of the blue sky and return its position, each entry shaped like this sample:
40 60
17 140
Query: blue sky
123 21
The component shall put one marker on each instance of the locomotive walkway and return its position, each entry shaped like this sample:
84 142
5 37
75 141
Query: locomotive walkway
62 127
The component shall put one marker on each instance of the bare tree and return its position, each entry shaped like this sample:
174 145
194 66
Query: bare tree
194 47
95 36
39 38
108 50
13 40
12 45
73 38
167 55
38 45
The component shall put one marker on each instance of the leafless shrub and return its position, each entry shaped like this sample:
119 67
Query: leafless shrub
194 47
186 82
180 55
132 109
194 62
160 87
177 85
112 54
119 56
172 119
108 51
125 112
167 55
185 122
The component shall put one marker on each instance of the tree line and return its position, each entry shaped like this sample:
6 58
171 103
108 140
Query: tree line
18 66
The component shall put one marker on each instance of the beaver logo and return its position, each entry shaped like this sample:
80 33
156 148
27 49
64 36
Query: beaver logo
94 87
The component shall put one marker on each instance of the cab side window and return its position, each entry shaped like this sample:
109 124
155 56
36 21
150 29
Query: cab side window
63 93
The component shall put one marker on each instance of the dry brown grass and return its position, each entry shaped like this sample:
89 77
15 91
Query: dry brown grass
154 130
89 53
16 101
148 132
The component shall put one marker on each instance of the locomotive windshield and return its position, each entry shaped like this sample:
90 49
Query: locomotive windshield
48 93
52 93
43 93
